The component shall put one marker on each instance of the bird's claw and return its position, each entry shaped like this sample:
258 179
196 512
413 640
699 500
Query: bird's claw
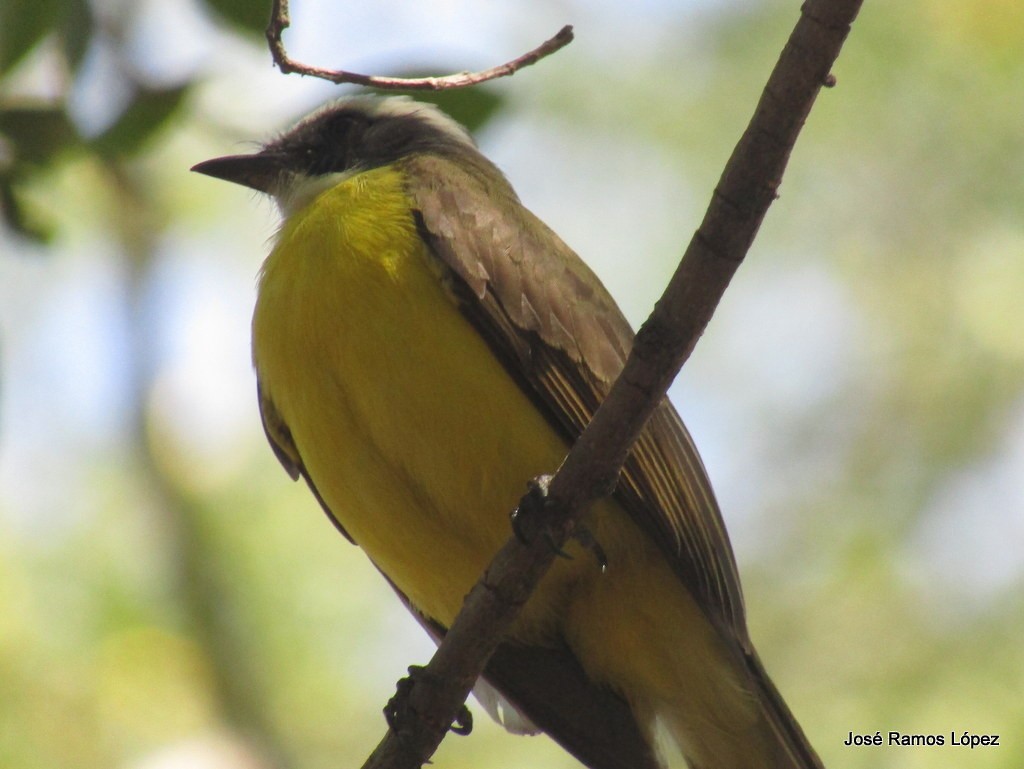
398 711
529 521
582 535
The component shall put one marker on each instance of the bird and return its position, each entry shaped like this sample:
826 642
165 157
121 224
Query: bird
423 345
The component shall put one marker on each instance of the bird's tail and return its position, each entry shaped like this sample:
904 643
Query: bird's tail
761 735
793 748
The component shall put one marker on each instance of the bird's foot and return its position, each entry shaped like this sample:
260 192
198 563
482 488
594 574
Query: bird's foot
531 520
399 712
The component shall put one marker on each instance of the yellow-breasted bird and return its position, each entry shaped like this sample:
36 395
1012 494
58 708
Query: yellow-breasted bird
424 345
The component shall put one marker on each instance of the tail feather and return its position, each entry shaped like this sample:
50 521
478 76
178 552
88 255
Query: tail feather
744 724
553 691
794 749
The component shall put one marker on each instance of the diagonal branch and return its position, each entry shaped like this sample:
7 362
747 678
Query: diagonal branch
746 189
280 21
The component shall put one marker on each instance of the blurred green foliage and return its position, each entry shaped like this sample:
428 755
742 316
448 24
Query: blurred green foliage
169 599
244 16
35 132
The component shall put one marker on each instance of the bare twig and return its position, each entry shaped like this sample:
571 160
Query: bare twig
738 205
279 22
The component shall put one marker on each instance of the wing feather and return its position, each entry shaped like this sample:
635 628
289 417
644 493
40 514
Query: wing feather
562 337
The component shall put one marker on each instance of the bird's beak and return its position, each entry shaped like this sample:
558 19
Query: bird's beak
262 172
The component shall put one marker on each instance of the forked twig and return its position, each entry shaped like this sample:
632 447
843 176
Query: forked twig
280 21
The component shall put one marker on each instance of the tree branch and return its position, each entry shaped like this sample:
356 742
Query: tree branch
747 187
280 21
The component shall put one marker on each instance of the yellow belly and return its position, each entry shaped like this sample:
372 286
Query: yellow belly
413 433
420 443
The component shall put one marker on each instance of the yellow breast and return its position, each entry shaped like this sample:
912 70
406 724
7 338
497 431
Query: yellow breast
416 437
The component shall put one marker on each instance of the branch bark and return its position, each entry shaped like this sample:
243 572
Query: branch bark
280 21
746 189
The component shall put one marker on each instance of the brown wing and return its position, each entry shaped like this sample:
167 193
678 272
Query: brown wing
561 336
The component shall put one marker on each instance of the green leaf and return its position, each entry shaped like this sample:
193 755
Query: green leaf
23 23
13 214
247 15
77 29
148 111
36 134
32 137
